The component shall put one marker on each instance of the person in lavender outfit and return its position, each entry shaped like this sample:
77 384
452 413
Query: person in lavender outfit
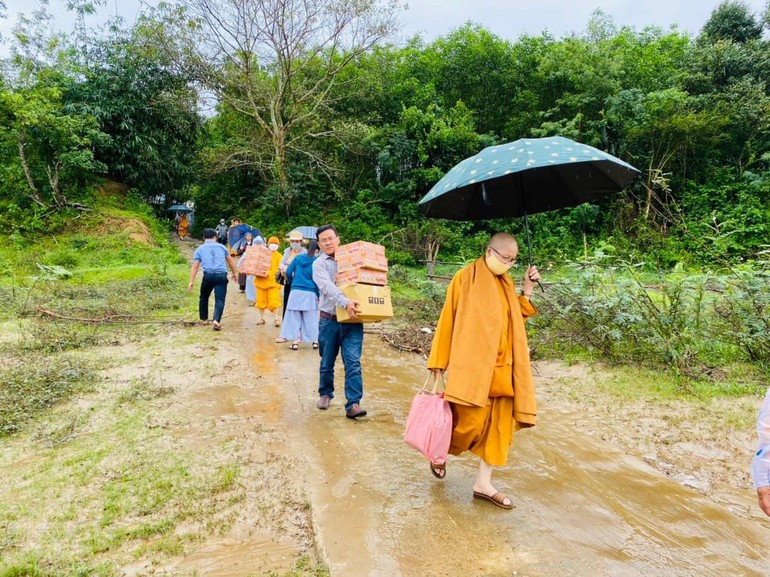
760 465
300 322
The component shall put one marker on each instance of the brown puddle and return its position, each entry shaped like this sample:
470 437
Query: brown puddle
236 557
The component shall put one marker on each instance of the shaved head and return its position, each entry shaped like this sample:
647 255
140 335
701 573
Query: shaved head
503 241
504 248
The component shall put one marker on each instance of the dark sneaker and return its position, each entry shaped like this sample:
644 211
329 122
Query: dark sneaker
323 402
355 412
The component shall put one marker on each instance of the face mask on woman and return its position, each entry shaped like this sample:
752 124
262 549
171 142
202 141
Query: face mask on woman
272 246
296 245
495 265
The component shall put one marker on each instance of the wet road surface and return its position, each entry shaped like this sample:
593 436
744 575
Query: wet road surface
583 508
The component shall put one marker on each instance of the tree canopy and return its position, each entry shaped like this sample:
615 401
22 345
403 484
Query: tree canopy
318 117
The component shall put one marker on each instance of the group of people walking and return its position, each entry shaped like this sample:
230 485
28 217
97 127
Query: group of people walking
291 270
480 341
307 276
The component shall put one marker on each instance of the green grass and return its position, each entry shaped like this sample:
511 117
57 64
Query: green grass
126 490
37 384
95 271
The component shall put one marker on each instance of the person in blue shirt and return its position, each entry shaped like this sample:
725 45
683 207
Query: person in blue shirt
215 259
301 316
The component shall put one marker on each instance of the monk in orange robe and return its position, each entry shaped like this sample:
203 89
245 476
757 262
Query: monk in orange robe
481 343
268 289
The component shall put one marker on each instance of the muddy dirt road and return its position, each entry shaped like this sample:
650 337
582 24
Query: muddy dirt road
583 507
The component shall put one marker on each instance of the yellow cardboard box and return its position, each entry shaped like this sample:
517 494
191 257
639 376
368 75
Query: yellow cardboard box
374 303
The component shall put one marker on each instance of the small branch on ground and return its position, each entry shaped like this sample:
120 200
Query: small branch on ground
111 319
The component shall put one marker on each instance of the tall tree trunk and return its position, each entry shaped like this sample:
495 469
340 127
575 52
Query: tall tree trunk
33 194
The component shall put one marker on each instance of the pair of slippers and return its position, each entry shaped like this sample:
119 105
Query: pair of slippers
498 499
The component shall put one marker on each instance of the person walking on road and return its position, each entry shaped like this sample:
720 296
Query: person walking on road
183 226
335 337
251 289
248 240
221 230
215 260
294 249
268 289
760 464
300 321
481 343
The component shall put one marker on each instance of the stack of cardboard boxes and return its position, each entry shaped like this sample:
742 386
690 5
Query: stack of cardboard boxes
256 260
362 275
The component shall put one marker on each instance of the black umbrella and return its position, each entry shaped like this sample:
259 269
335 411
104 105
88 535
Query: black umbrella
525 177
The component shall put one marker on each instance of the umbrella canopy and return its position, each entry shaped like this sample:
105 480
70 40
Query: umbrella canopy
179 208
236 235
307 232
524 177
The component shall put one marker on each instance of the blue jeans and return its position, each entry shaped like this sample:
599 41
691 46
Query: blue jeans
348 338
216 281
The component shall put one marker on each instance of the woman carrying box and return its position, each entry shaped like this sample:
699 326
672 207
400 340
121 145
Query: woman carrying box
268 290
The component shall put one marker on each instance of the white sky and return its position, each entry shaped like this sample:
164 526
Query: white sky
433 18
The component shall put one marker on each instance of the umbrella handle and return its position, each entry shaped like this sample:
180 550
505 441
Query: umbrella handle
529 247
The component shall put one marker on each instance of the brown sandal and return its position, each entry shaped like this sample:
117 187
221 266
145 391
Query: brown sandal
498 499
439 471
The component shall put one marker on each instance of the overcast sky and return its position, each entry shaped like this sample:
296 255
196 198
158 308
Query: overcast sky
506 18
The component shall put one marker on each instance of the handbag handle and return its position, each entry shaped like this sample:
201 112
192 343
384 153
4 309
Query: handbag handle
433 389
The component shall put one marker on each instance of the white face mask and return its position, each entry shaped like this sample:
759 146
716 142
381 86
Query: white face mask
296 245
272 246
495 265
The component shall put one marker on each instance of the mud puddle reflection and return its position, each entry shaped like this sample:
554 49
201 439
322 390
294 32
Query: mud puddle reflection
583 508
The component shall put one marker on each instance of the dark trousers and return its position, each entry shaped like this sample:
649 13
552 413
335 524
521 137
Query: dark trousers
346 338
217 282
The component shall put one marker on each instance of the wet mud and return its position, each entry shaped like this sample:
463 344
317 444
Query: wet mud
583 507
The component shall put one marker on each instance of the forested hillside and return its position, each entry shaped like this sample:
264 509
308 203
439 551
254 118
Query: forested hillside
293 113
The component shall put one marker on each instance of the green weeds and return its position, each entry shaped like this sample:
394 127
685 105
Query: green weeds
37 384
694 326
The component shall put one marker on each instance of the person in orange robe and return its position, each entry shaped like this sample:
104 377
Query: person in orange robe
182 226
268 289
481 343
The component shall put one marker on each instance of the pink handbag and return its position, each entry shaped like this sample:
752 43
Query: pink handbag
429 424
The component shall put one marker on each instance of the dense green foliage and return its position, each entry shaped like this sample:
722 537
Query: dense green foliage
358 134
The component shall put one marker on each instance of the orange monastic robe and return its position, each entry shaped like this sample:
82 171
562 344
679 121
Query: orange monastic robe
481 342
268 289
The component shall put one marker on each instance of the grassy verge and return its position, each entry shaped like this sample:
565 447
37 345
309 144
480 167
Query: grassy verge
93 480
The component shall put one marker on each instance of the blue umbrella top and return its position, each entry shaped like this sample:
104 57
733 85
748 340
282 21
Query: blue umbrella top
307 232
179 208
524 154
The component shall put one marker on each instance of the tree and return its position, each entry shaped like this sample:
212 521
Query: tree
148 109
50 145
732 20
275 62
